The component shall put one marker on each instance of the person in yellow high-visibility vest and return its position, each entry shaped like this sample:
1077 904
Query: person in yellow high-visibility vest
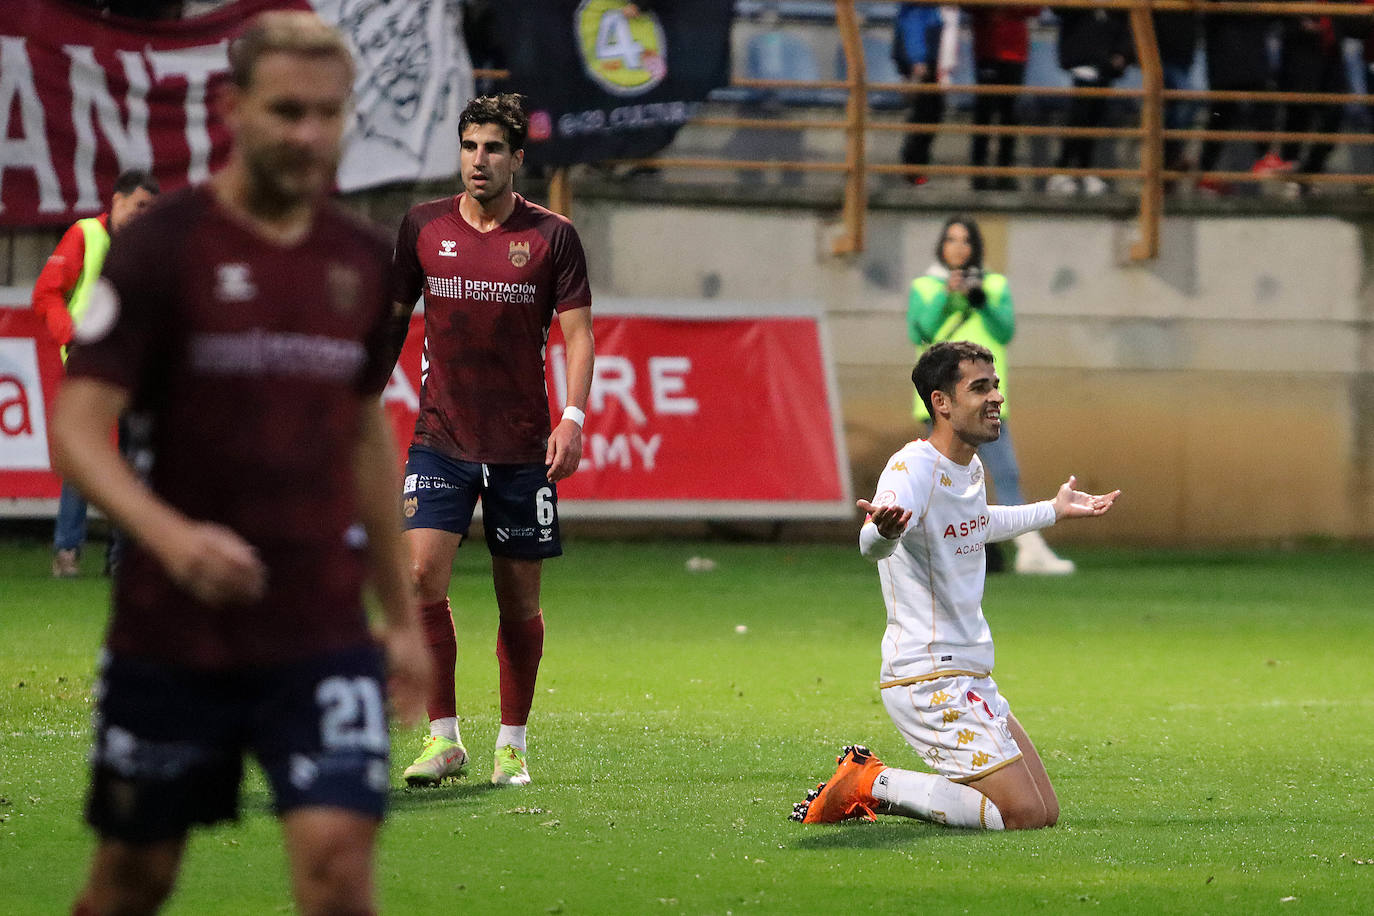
956 300
60 296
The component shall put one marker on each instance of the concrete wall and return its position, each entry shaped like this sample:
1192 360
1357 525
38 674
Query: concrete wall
1227 388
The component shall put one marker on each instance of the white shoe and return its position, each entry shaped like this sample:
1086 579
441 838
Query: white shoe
1062 184
1035 558
439 759
511 768
1094 186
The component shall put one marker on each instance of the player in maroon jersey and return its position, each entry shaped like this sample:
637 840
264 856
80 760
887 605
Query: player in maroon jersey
248 320
494 269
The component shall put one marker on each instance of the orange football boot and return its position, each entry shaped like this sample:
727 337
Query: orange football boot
845 795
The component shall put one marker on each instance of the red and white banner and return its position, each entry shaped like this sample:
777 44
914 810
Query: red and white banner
727 417
30 370
84 96
689 417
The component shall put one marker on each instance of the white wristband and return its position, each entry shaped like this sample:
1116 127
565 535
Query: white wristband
575 414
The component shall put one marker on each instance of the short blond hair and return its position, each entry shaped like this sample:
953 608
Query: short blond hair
288 31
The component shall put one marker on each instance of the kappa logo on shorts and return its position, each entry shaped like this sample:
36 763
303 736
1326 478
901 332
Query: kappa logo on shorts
981 759
519 253
446 248
412 505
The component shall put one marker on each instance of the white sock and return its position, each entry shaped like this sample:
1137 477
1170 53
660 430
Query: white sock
446 727
511 734
935 799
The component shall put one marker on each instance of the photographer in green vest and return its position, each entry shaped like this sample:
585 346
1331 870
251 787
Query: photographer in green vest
956 300
60 296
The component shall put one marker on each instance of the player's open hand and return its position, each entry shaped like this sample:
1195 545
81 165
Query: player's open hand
215 565
1071 503
890 519
409 671
565 450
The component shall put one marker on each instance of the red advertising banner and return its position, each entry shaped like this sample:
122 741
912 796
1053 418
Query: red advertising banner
30 370
84 96
724 417
691 417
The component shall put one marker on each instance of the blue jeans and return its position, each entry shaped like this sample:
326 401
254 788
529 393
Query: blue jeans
69 531
999 458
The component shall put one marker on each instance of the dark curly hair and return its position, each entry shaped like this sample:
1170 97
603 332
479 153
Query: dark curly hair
506 109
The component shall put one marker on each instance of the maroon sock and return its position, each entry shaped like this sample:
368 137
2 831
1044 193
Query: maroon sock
519 646
437 619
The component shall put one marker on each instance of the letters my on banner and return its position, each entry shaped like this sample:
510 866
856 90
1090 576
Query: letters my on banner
84 96
690 417
602 84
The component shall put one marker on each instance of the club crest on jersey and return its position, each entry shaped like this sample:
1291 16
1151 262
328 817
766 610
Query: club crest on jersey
519 253
446 248
343 283
234 283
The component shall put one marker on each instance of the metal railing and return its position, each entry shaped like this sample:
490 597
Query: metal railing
857 124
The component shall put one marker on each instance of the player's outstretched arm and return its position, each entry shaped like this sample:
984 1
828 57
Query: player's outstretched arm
1072 503
565 443
376 488
209 561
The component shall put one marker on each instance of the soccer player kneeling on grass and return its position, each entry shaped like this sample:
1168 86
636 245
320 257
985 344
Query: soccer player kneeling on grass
926 530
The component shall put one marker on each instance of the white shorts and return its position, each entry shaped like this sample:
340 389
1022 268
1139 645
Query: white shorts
958 724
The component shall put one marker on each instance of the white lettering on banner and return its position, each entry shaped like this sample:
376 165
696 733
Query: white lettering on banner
614 377
196 65
666 380
91 100
30 150
92 103
23 428
627 451
400 391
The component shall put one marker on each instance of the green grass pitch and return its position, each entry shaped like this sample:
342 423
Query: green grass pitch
1207 718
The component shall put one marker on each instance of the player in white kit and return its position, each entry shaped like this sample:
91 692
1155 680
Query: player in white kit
926 530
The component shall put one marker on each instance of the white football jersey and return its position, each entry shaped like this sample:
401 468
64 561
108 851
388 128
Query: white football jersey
933 580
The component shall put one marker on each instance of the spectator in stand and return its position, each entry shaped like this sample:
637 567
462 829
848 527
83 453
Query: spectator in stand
1001 47
1177 35
1310 61
1238 60
1095 47
923 57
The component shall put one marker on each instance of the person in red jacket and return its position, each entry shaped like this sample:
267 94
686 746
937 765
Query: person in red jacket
60 296
1001 47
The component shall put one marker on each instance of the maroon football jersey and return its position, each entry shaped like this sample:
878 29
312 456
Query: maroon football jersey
252 361
489 300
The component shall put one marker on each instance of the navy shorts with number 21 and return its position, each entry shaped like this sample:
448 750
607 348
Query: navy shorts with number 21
519 502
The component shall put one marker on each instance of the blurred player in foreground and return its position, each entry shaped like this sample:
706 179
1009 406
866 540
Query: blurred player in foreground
249 319
494 269
926 530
